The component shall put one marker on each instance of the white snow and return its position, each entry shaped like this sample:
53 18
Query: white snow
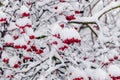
114 70
24 9
23 21
100 74
8 39
13 60
68 33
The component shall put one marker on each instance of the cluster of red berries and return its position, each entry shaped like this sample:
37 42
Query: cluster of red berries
27 58
71 17
81 78
6 60
10 76
17 65
9 44
110 60
115 78
115 58
63 48
37 51
57 36
62 0
55 42
71 41
25 14
20 47
3 20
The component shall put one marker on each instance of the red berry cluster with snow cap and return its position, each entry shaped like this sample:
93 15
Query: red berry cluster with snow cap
3 17
24 11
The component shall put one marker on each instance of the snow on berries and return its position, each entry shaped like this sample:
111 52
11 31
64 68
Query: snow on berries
5 57
14 62
24 11
8 40
70 17
114 72
23 22
3 17
20 43
70 36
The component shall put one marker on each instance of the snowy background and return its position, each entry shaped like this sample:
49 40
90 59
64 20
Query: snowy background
59 39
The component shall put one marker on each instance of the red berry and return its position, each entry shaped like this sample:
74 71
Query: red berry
28 3
111 60
25 14
15 37
16 66
19 62
55 42
17 46
39 52
34 48
12 76
5 60
77 12
56 7
27 58
29 50
115 57
24 47
32 37
62 0
85 58
1 48
62 25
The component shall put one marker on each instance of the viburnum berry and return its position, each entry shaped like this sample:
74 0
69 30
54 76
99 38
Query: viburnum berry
57 36
3 20
29 50
118 77
27 58
12 76
28 3
34 48
19 62
39 51
15 37
55 42
111 60
9 44
6 60
1 48
67 41
17 46
85 58
56 7
16 66
32 37
62 25
28 42
62 0
25 14
24 46
70 17
63 48
115 57
78 78
77 40
77 12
